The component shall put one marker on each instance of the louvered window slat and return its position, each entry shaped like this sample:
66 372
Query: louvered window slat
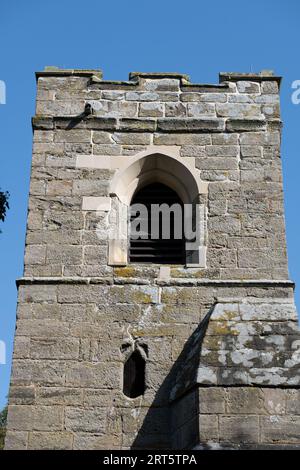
159 251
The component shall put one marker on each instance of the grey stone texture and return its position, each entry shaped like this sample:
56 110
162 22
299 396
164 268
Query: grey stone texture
222 365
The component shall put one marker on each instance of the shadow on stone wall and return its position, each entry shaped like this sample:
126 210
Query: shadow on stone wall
172 419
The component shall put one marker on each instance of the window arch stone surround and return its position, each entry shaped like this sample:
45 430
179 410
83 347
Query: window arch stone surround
162 166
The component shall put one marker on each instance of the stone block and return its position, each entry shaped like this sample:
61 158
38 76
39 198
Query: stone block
224 258
142 96
222 150
247 87
216 163
22 395
162 84
260 138
125 138
22 347
193 151
60 440
292 402
35 254
283 429
190 125
207 375
16 440
204 97
60 220
227 224
275 401
43 123
82 294
26 372
240 98
94 375
220 175
42 327
101 123
35 418
43 136
60 108
175 109
269 87
37 188
37 293
258 259
114 95
73 136
59 188
238 110
59 396
134 294
137 125
51 148
107 149
95 255
89 187
225 139
67 254
245 400
211 401
89 441
132 149
208 427
182 139
113 108
239 429
251 151
269 99
151 109
200 109
85 419
245 125
101 137
54 348
271 111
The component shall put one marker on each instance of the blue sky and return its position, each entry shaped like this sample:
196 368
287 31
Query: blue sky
195 37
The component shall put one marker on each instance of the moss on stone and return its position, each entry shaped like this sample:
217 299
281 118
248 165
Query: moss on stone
125 271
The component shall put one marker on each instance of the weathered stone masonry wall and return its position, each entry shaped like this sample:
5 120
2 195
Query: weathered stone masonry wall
76 310
231 132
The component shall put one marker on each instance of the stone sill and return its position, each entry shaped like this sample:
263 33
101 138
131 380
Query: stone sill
188 282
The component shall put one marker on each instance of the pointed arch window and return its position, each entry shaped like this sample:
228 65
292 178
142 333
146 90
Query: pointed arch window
184 178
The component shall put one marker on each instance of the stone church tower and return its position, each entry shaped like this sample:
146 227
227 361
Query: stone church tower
126 344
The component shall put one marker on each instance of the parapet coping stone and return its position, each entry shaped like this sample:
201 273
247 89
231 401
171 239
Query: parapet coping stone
263 76
57 72
96 76
159 75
